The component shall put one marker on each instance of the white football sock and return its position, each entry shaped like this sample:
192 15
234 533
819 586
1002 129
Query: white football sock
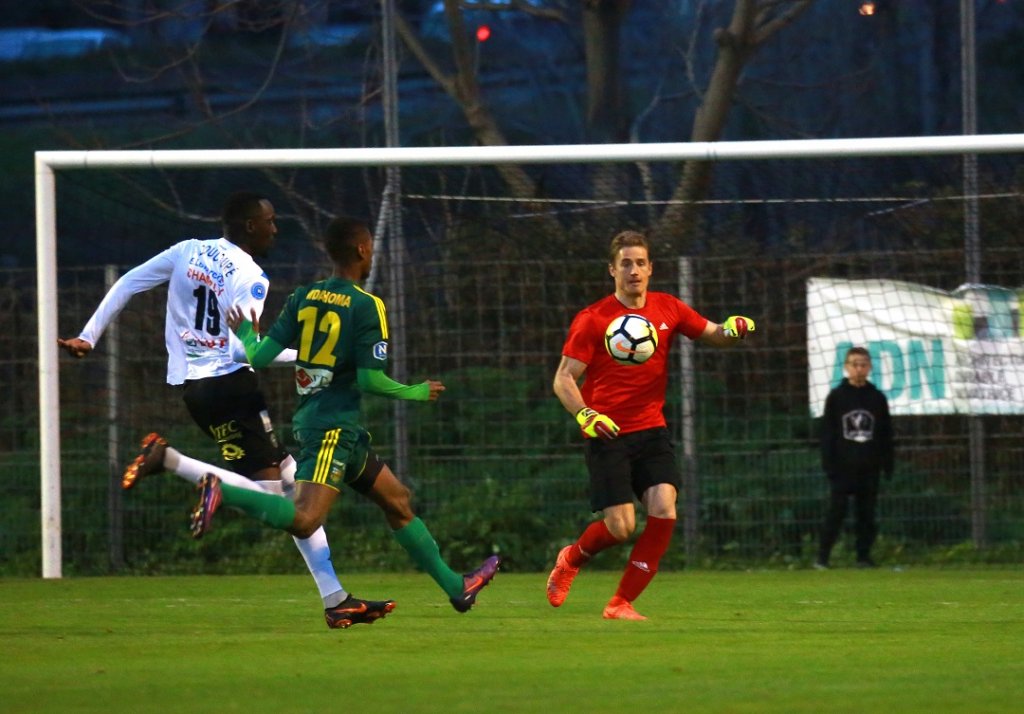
193 469
317 554
315 549
273 487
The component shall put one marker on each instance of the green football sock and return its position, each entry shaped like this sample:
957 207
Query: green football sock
423 550
276 511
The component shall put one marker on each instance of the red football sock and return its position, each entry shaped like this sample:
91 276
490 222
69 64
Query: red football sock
595 538
643 561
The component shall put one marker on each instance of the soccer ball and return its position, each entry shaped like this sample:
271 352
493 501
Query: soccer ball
630 339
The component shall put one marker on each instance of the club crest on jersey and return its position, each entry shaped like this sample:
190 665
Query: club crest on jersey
380 350
258 291
337 471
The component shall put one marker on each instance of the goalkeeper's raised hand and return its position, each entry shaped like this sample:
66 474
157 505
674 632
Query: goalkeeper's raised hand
595 425
737 326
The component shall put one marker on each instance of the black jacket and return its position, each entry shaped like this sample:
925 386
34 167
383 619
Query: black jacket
856 432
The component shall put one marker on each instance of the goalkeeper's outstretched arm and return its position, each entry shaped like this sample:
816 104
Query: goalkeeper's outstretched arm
735 328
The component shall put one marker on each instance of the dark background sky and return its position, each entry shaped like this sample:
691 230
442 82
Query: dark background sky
833 73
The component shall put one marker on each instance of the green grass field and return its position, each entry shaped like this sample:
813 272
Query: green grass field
772 641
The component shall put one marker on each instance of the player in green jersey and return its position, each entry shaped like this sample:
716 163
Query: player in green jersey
340 332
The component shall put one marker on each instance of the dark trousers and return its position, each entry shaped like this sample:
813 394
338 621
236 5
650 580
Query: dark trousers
864 490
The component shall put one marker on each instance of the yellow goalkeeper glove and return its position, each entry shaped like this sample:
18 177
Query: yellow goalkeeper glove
596 425
737 326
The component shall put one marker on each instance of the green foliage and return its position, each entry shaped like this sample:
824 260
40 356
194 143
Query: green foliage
505 509
509 480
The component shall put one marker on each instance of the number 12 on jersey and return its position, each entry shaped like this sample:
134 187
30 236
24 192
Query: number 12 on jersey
327 326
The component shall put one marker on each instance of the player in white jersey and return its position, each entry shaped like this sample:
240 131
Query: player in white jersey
204 279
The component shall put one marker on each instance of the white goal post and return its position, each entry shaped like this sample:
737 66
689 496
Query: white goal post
48 162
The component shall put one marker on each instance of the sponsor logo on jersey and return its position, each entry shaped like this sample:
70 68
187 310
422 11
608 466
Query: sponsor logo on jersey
663 326
232 452
212 251
196 342
259 291
225 431
211 279
309 380
380 350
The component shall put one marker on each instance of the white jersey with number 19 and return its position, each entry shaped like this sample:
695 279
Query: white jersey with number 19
205 278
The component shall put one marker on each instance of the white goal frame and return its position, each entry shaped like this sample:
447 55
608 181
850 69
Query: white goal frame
48 162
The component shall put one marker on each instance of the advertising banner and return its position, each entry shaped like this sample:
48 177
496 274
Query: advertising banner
932 352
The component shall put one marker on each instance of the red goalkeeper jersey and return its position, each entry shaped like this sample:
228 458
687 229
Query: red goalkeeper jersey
632 395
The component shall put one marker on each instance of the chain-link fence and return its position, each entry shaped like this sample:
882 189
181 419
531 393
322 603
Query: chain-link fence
497 463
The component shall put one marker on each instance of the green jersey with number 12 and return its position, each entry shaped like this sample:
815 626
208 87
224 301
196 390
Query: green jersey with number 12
336 328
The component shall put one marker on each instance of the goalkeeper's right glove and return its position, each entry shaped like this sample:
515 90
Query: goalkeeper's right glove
596 425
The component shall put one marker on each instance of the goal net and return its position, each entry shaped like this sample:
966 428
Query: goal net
825 243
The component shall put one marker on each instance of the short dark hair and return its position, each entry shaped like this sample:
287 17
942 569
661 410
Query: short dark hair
861 351
341 238
239 208
627 239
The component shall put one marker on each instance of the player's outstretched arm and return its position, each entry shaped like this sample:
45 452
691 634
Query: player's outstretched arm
75 346
374 381
155 271
735 327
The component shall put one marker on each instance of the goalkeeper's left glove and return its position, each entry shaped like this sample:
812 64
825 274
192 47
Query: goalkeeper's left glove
596 425
737 326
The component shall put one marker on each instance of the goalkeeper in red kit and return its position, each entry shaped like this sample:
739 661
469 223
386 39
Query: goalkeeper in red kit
619 409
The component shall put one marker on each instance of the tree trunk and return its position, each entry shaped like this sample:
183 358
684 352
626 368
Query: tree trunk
606 116
464 88
752 24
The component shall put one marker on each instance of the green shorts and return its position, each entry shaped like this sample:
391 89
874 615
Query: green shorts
337 456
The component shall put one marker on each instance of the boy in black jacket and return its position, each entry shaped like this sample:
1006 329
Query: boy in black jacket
856 445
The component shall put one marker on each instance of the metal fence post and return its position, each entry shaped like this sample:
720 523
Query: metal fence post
972 252
688 415
115 504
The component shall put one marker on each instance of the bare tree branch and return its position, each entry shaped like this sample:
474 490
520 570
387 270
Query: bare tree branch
199 96
555 14
737 43
426 60
768 26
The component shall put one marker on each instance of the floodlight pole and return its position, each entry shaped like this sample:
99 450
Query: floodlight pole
972 253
